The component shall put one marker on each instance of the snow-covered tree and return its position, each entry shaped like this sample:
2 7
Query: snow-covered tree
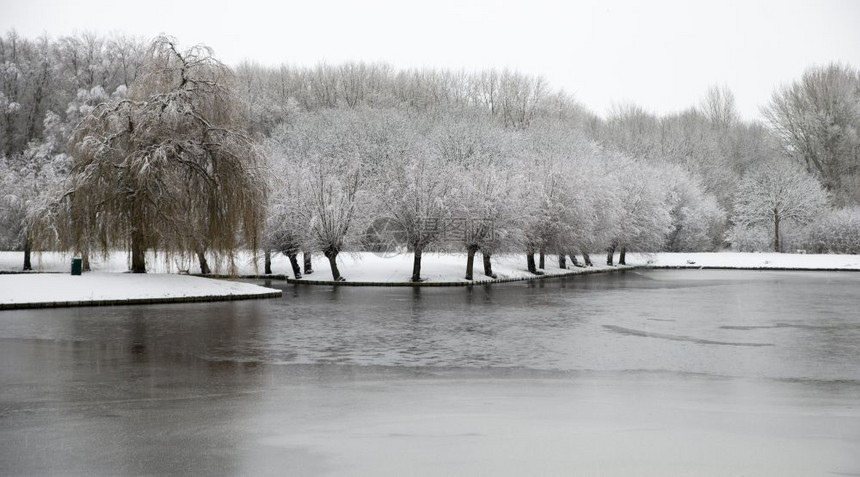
645 220
336 172
26 77
540 195
341 160
488 208
697 219
485 216
10 215
41 86
28 179
592 202
287 220
167 167
775 193
416 188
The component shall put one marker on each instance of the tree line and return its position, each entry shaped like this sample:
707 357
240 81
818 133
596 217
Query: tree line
120 143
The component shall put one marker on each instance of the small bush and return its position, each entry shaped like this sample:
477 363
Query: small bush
838 231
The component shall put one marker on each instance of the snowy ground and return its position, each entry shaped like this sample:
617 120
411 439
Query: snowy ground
437 267
358 267
772 261
16 290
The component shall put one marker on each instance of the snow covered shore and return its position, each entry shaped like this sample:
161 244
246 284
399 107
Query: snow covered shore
355 267
107 285
451 267
748 261
51 290
437 267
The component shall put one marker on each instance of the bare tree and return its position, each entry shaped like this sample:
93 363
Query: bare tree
632 130
817 119
718 105
521 97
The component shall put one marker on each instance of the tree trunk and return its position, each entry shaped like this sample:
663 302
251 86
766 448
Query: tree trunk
574 261
541 259
309 267
488 266
562 261
416 264
622 257
331 255
470 261
204 265
27 265
267 262
776 244
610 255
85 261
294 262
138 259
587 258
530 261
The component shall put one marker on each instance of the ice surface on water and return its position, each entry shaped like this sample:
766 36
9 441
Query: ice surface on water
631 374
755 324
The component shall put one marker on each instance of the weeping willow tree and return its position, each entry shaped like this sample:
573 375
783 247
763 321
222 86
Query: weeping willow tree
167 167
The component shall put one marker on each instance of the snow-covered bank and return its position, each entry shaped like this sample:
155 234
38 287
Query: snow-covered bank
105 285
437 268
51 290
451 267
366 266
355 267
738 260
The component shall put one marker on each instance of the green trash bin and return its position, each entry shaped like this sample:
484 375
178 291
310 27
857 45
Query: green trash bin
77 265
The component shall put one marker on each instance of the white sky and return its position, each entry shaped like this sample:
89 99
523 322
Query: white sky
660 55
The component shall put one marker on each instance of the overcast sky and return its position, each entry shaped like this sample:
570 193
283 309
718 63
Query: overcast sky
660 55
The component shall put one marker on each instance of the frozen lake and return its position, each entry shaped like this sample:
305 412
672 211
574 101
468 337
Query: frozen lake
636 373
